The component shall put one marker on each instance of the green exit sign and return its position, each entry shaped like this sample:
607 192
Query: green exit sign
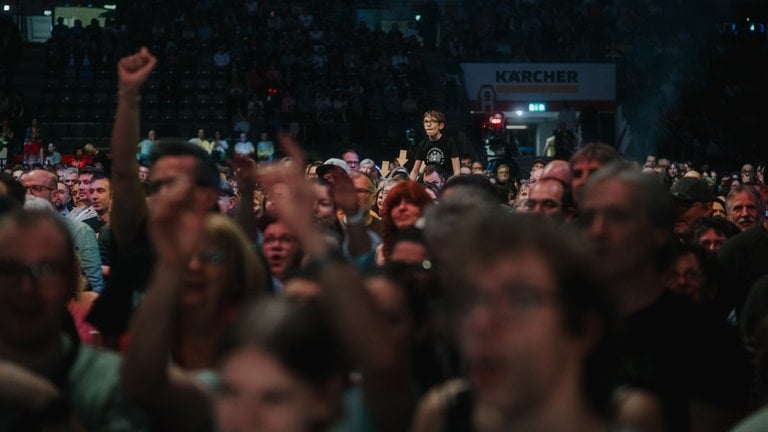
537 107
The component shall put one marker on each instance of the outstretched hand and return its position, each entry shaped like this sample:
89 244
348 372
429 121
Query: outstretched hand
245 170
133 70
344 194
293 196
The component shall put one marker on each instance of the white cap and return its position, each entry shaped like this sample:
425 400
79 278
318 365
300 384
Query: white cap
338 162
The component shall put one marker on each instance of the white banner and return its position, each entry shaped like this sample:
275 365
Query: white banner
490 82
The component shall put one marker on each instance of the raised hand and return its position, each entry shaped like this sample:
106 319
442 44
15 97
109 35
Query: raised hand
133 70
288 190
245 170
293 196
343 191
176 218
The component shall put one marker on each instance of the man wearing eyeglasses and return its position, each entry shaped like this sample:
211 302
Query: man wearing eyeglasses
533 323
50 380
352 158
365 192
42 184
551 198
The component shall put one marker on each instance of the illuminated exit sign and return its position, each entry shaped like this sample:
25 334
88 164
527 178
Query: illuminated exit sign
537 107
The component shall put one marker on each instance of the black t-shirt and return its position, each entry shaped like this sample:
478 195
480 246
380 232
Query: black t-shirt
129 275
681 353
437 153
743 259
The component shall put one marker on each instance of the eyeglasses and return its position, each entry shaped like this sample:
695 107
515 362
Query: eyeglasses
512 302
547 204
213 256
38 188
15 271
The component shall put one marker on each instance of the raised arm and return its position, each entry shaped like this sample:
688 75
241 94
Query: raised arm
128 205
387 386
172 396
245 170
295 199
358 242
415 170
455 165
386 375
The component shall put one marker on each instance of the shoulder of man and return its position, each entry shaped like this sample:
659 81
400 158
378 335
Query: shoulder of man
94 391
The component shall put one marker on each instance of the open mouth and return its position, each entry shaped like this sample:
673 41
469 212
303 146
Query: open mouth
485 371
275 260
194 286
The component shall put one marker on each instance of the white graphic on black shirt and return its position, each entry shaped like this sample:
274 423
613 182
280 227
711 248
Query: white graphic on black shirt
435 156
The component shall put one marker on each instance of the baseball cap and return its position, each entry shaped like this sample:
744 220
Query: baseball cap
692 189
330 164
399 172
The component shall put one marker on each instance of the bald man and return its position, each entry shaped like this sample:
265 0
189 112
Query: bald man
558 169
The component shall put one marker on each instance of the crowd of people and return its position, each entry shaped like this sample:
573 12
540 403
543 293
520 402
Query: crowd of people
308 66
316 67
168 288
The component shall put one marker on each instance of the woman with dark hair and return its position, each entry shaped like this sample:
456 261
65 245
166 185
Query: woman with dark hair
692 273
403 207
325 210
281 249
80 160
284 348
